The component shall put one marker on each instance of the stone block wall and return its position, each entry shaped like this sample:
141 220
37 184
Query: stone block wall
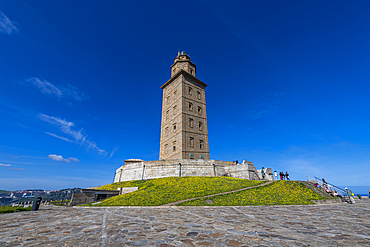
137 170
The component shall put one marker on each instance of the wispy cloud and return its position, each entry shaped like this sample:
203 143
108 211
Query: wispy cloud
17 169
46 87
6 25
74 159
113 152
267 104
66 127
5 164
60 137
58 158
61 159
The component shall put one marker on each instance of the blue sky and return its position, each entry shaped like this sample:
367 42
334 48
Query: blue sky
288 86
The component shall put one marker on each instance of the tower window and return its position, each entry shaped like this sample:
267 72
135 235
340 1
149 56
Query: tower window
166 131
168 100
200 126
199 95
191 156
191 123
174 127
175 94
190 91
199 110
201 156
201 144
191 71
165 148
190 106
167 114
191 142
174 109
174 146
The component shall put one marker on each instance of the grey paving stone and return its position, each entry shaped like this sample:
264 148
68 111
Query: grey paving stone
339 224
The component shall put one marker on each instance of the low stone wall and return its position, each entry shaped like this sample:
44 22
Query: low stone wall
138 169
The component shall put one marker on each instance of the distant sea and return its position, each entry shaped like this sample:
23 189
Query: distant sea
362 190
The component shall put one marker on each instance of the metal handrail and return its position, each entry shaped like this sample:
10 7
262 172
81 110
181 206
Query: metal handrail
332 185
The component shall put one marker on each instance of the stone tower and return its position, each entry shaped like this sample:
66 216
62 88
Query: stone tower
184 132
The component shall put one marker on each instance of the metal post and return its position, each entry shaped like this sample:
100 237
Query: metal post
214 170
179 169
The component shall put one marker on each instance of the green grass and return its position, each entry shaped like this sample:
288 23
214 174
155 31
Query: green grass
9 209
277 193
161 191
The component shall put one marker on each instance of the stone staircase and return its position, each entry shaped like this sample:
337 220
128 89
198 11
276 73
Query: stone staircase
321 191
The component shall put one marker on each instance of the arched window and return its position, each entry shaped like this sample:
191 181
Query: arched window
201 144
199 110
191 123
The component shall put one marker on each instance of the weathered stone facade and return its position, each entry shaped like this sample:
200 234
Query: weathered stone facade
139 169
184 132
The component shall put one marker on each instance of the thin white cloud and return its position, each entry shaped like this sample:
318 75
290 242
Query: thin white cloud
113 151
60 137
74 159
17 169
58 158
6 25
5 164
66 127
61 159
46 87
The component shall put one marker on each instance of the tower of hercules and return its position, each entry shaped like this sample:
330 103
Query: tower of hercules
184 132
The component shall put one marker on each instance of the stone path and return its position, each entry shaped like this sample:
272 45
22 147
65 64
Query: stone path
339 224
222 193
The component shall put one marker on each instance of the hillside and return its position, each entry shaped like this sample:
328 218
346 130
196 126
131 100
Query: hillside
161 191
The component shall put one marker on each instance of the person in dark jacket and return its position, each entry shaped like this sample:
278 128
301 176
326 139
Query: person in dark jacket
287 176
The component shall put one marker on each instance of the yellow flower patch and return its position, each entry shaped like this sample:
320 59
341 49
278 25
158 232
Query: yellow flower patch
277 193
161 191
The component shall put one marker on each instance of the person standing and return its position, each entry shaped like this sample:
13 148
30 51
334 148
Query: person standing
281 175
276 175
263 173
287 176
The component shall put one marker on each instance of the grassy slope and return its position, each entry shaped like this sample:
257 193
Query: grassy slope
9 209
277 193
161 191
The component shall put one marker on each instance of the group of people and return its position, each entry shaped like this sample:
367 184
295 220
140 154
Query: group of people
283 175
335 193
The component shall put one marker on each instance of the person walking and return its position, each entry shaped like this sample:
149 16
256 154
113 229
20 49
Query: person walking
287 176
281 175
350 195
276 175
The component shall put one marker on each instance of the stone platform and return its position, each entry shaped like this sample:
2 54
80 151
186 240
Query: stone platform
136 169
339 224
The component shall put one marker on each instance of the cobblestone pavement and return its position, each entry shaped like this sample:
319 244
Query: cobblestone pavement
339 224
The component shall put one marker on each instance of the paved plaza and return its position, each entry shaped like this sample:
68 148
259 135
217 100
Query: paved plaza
339 224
